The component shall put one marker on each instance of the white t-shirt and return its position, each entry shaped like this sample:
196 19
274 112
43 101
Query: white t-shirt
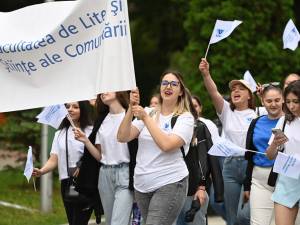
292 131
155 168
75 149
212 127
113 152
236 124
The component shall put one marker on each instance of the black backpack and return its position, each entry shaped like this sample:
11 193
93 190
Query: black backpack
197 158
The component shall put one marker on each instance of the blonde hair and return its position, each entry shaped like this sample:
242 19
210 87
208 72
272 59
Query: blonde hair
184 102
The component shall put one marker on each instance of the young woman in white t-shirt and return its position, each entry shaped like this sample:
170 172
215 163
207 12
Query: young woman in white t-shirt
161 175
114 156
286 196
77 214
236 116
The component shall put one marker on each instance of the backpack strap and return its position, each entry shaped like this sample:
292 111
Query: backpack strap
173 121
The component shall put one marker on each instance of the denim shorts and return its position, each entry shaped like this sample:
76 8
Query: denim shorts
287 191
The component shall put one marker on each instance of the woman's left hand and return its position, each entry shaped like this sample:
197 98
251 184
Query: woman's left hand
139 112
201 195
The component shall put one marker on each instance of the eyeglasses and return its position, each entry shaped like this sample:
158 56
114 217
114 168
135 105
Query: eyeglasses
274 84
172 83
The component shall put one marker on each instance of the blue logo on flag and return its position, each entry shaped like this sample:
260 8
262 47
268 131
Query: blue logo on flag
219 32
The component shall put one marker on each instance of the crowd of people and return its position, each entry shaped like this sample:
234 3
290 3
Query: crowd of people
138 156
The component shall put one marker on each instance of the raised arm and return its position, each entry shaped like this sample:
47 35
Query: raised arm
127 131
94 150
211 86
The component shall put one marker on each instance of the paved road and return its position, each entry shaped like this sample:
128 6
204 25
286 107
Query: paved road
214 220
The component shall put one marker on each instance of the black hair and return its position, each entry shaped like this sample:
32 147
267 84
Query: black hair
294 88
85 118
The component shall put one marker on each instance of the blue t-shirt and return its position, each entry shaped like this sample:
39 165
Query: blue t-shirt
261 136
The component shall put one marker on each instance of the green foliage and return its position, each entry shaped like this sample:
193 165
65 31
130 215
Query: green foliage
21 130
255 45
156 32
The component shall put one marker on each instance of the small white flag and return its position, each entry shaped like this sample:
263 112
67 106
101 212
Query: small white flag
52 115
248 77
29 165
290 36
287 165
223 29
226 148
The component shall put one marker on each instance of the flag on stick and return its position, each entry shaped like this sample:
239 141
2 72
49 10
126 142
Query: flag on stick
291 36
248 77
53 115
222 30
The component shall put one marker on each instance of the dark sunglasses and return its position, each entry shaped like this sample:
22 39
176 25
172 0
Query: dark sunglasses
274 84
172 83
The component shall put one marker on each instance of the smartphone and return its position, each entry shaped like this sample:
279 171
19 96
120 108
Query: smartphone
277 131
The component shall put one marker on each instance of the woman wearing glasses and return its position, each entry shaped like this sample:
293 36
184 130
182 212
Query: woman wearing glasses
286 196
161 175
259 166
236 116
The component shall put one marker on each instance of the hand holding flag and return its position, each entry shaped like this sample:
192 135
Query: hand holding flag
291 36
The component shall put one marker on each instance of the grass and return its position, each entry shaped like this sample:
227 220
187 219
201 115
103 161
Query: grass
15 189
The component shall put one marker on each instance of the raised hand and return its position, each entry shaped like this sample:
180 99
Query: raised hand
204 67
135 97
139 112
80 135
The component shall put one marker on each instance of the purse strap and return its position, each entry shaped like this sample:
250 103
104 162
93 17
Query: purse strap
67 152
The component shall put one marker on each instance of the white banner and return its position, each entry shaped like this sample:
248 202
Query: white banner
60 52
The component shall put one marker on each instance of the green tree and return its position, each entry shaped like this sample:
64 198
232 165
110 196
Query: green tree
157 32
20 131
255 45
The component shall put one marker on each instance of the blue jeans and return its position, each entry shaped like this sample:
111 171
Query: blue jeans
200 217
234 172
218 207
162 206
116 198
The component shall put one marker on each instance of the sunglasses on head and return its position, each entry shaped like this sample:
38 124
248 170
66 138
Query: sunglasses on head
172 83
274 84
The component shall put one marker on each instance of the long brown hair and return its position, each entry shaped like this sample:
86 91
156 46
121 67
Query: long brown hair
121 96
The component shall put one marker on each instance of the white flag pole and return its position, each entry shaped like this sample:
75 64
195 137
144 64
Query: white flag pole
207 51
262 153
71 121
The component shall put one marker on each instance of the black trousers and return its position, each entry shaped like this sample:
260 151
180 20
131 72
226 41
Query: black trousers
78 214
